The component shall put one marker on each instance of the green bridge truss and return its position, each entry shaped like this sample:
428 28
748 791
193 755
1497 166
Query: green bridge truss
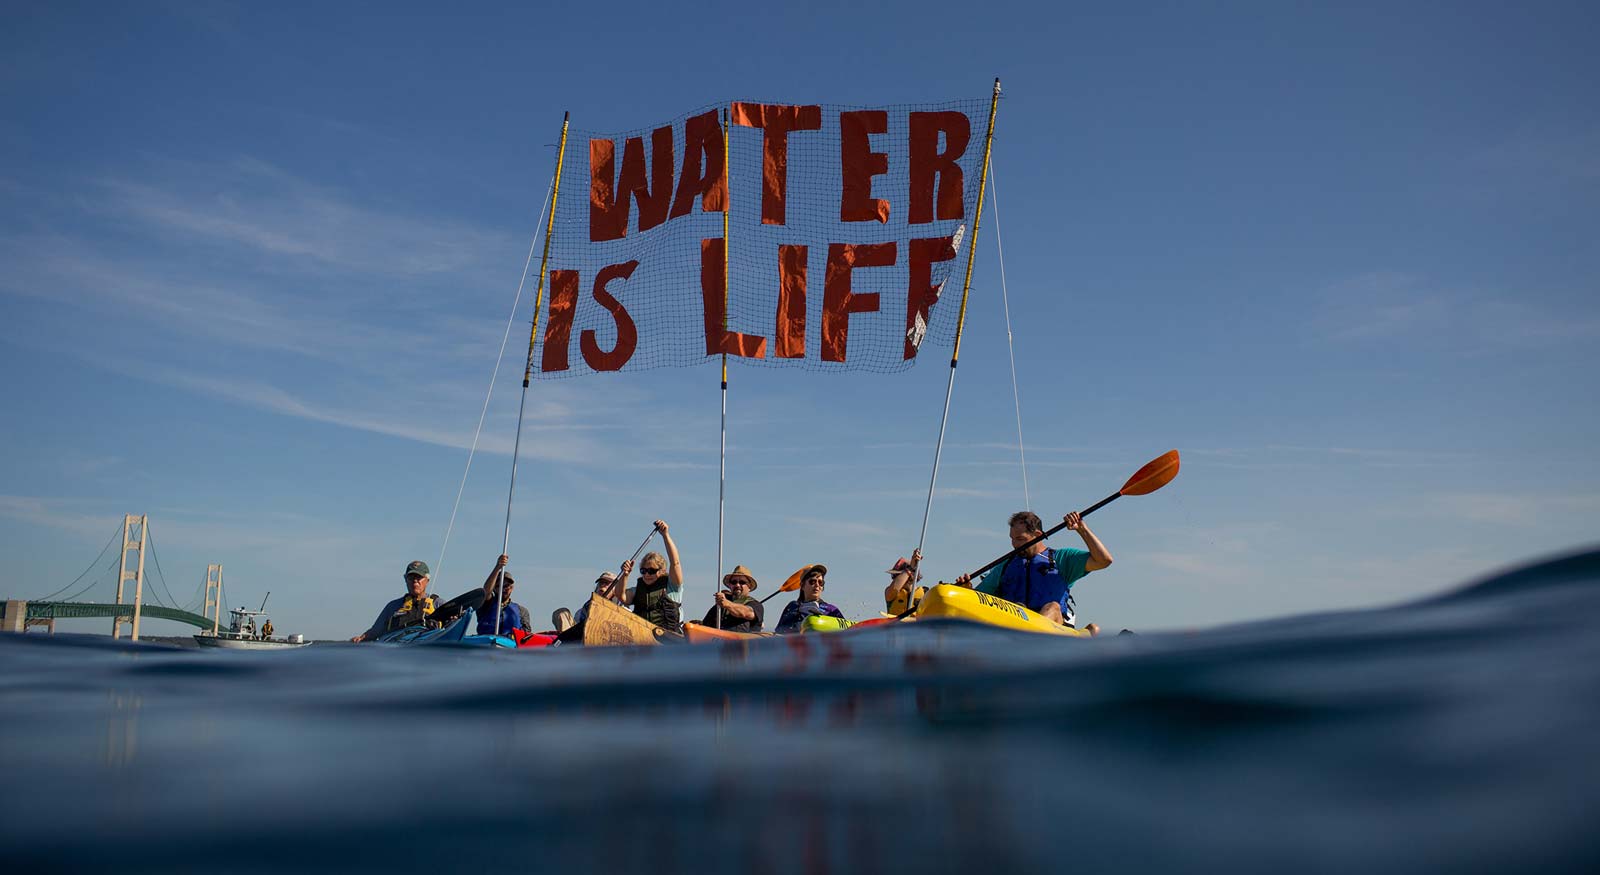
75 610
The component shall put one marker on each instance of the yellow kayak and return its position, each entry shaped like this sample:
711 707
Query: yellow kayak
958 602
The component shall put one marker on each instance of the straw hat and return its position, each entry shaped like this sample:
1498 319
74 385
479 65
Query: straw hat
740 571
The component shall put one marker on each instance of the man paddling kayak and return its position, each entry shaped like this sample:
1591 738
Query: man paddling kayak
1038 578
740 612
411 609
809 604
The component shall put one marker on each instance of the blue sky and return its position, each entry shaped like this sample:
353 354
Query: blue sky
258 262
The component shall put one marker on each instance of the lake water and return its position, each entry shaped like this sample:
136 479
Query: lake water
1456 734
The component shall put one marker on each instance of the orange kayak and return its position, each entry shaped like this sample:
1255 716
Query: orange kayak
698 634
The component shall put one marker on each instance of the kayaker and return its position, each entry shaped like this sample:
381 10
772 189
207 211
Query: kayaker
740 612
411 609
894 595
809 604
658 594
513 617
606 586
1038 578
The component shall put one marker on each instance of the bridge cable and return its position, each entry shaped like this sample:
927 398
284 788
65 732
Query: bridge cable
153 555
96 561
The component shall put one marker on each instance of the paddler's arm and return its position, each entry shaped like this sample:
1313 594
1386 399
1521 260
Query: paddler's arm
494 576
902 582
1099 556
989 583
619 591
376 628
732 608
675 565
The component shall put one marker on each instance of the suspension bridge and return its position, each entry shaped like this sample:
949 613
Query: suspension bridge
120 589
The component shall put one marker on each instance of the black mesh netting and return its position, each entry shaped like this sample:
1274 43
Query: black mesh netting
642 212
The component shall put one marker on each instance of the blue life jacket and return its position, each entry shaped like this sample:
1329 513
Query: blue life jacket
1034 574
510 618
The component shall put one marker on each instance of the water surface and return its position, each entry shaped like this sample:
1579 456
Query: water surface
1461 733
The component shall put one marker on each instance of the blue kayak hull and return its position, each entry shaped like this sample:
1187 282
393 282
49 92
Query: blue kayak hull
457 634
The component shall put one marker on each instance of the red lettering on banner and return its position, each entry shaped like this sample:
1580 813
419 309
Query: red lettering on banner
927 162
718 338
558 331
791 302
608 206
860 164
703 173
603 224
838 301
923 294
776 121
627 332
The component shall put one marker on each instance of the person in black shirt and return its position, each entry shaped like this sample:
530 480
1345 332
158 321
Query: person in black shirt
740 612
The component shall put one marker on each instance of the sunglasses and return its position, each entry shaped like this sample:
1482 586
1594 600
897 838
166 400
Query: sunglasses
649 571
817 579
412 577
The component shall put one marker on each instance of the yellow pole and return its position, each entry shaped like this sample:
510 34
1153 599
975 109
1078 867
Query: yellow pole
527 372
544 261
961 320
972 245
722 464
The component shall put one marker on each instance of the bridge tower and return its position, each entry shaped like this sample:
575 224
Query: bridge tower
213 606
129 522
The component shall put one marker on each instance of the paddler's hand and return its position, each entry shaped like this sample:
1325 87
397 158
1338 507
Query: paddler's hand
721 598
661 526
964 580
627 566
1073 520
501 562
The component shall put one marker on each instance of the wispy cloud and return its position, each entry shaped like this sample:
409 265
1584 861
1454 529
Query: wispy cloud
1386 306
1517 509
72 515
835 528
253 204
268 397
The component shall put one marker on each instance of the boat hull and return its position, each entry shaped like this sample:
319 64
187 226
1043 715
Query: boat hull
611 625
456 633
226 643
959 603
698 634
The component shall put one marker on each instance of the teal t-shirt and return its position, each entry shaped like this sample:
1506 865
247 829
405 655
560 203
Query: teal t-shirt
1071 563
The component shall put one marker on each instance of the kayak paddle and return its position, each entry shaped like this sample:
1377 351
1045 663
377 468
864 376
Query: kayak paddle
1154 475
1158 473
790 585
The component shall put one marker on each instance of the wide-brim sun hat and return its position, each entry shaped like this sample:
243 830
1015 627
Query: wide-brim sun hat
740 571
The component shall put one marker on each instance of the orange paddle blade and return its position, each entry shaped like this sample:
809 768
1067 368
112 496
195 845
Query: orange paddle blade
793 583
1158 473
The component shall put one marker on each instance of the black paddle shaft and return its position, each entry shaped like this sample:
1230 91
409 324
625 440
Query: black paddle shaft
1056 528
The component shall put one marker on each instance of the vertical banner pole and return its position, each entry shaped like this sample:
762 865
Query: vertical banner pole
527 373
961 320
722 464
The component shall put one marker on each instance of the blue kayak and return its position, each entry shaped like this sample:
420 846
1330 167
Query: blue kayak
457 633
